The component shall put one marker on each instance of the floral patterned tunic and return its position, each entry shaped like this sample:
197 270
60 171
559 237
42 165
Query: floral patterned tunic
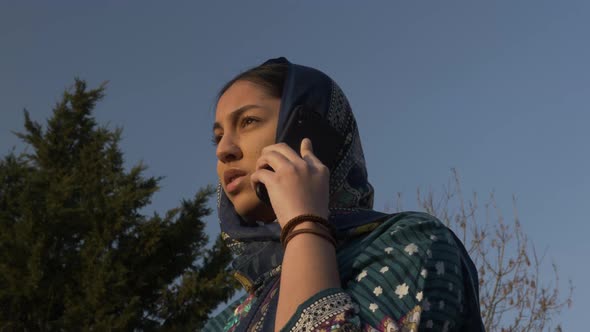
408 274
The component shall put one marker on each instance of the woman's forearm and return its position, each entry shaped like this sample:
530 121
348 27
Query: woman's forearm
309 266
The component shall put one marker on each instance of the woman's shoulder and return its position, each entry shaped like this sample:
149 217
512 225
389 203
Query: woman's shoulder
411 266
411 225
418 236
412 219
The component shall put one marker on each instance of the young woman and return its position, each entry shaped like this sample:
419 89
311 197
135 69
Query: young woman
318 258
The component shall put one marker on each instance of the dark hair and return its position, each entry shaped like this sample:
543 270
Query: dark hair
271 77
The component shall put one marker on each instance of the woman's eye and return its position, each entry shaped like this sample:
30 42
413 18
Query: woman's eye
245 121
248 120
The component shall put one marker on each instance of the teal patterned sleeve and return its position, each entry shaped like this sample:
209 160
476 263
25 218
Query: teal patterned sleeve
406 275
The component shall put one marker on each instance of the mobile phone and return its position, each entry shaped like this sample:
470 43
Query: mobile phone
305 122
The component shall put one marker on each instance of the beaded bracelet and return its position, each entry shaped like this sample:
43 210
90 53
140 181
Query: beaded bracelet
303 218
308 230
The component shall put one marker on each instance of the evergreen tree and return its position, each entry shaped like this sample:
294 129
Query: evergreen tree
76 253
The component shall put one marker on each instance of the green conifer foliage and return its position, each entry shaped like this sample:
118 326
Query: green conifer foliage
76 252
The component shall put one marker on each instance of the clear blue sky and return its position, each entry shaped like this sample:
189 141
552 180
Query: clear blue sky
500 90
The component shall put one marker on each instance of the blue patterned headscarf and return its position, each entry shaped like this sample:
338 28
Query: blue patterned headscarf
257 249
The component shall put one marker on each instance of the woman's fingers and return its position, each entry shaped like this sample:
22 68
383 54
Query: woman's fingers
274 159
283 149
281 156
307 153
262 175
297 185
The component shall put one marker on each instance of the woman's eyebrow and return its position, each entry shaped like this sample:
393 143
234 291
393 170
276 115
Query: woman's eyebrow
236 114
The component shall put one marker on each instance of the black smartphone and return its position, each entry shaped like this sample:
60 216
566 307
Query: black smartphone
304 122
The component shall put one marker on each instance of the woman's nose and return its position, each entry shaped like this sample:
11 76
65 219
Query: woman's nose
228 150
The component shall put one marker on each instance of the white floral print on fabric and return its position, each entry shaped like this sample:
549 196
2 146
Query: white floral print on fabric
424 273
373 307
411 249
378 291
361 275
401 290
419 296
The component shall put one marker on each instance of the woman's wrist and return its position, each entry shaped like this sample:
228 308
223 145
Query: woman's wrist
312 225
307 231
288 229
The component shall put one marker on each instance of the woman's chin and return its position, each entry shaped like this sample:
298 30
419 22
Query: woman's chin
250 208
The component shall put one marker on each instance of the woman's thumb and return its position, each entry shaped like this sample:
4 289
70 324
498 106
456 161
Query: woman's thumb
306 146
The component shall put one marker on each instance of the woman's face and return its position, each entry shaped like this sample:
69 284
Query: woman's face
245 122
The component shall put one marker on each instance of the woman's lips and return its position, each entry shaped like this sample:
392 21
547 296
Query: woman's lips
234 185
